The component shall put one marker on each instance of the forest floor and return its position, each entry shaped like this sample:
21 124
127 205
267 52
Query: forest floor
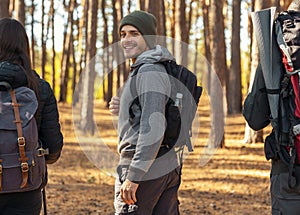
234 181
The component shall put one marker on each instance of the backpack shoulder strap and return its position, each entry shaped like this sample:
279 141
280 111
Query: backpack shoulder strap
133 89
135 71
21 140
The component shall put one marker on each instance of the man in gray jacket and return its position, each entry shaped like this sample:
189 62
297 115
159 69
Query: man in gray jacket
148 173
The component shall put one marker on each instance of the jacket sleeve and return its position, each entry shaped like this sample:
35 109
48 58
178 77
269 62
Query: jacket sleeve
48 123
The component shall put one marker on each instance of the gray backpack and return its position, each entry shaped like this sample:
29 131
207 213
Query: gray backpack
22 161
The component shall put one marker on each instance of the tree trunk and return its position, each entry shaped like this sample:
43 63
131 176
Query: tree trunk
65 61
218 63
234 86
157 9
116 20
173 21
197 40
106 53
73 55
20 11
52 12
43 42
123 67
189 21
82 34
87 123
142 4
276 3
32 34
163 19
4 8
181 35
206 32
284 4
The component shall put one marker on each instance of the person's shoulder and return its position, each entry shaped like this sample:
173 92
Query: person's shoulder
45 90
152 67
44 85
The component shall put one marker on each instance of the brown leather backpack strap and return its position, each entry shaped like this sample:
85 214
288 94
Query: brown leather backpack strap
21 141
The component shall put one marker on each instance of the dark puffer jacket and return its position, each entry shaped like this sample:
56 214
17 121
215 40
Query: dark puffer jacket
47 116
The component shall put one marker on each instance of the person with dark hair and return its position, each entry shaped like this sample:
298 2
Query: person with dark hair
149 173
16 69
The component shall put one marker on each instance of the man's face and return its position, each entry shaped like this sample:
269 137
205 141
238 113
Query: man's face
132 42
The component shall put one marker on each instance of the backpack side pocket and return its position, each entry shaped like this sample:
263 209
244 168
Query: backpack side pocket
270 147
256 110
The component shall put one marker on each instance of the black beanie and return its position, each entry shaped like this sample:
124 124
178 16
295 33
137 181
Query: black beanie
145 22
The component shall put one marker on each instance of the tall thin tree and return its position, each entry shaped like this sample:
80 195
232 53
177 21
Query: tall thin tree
65 61
52 15
4 8
87 110
43 41
116 8
33 6
234 95
181 32
106 55
20 11
206 37
218 63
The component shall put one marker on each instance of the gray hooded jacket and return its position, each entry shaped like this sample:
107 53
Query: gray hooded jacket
140 138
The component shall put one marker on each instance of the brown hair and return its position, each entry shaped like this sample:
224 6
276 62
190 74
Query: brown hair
14 48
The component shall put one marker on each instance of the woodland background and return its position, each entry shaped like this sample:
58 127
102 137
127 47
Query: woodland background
67 35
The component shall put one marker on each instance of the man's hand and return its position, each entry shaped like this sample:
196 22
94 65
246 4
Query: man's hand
128 192
114 105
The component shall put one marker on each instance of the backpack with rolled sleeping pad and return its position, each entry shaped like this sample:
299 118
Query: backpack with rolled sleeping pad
284 141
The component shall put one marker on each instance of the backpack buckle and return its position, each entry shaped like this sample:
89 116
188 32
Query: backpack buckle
296 129
289 23
21 141
24 167
41 152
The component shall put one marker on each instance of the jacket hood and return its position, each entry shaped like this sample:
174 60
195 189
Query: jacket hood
13 74
155 55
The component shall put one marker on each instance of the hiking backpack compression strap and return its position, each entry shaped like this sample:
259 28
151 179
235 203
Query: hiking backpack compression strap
21 141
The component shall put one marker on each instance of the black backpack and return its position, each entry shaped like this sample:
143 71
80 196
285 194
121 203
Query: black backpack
284 141
22 161
181 106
